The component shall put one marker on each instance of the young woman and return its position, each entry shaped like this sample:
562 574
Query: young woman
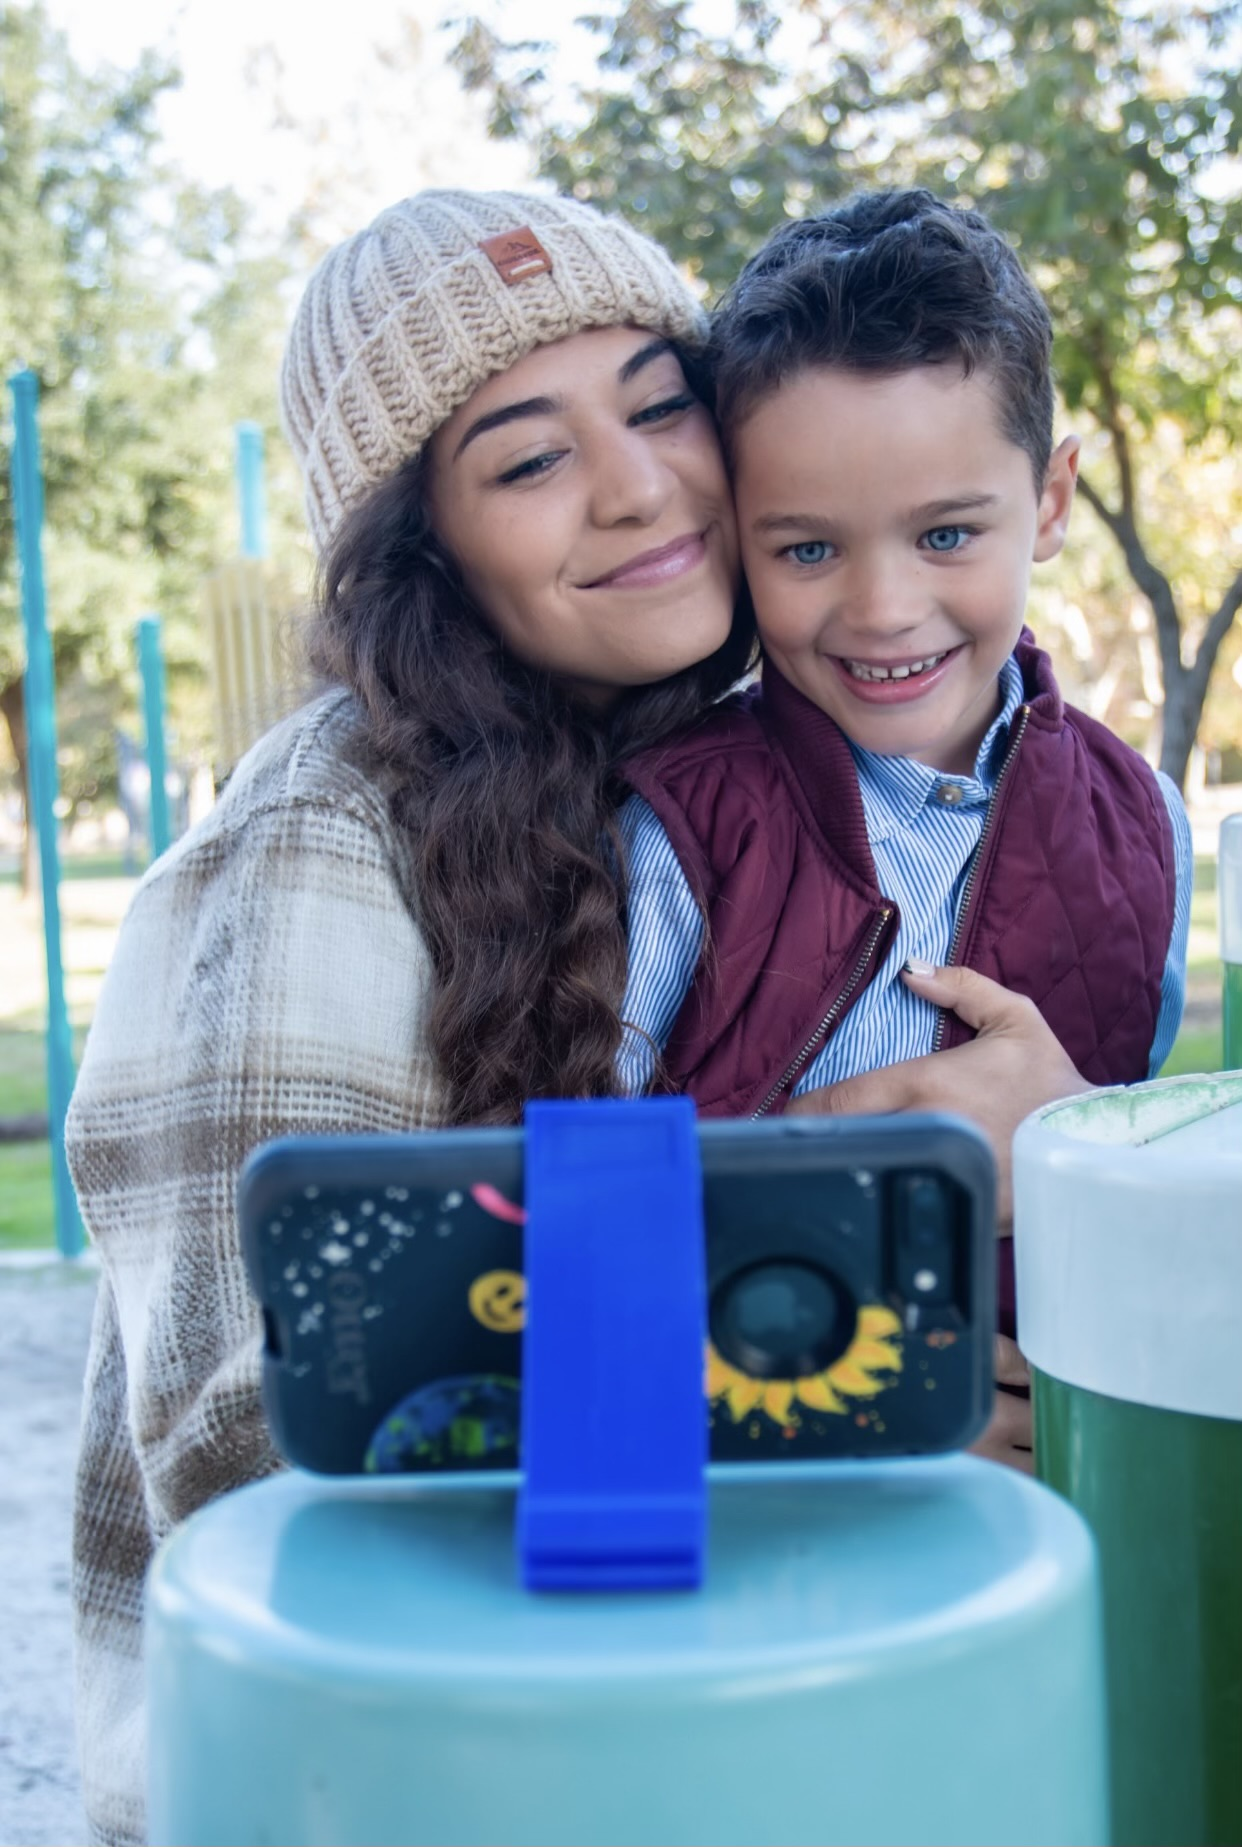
408 907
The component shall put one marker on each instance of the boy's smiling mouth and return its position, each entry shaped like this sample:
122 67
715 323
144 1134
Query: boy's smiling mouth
895 681
897 670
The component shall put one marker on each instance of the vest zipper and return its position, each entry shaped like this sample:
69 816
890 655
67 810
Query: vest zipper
837 1007
1024 712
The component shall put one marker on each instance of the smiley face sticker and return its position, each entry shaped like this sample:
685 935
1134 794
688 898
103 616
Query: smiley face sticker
498 1301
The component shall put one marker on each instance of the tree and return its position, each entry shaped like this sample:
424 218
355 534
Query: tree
152 328
1098 134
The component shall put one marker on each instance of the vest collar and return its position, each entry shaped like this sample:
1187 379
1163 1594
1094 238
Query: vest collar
815 755
817 758
1039 686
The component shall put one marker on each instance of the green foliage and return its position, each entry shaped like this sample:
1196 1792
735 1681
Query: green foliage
687 132
1101 136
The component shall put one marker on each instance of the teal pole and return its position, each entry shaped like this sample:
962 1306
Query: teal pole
1229 895
39 696
250 492
151 663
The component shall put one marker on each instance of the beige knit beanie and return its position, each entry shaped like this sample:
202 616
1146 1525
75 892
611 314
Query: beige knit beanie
401 323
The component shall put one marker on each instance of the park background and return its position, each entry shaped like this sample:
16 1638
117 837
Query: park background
170 170
169 174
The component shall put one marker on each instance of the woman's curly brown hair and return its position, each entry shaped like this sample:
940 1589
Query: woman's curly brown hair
507 798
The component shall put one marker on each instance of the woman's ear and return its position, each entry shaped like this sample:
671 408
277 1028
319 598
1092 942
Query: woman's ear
1057 499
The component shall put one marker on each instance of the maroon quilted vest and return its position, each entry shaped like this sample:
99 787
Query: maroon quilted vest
1070 898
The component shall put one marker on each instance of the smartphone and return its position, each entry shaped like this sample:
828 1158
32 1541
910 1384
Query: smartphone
850 1275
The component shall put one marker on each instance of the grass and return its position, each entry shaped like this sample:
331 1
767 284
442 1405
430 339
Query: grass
1195 1048
26 1216
26 1221
77 866
26 1213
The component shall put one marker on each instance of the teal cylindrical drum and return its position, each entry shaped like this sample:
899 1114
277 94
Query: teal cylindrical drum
891 1653
1128 1246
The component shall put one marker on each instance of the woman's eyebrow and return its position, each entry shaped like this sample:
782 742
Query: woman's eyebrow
529 407
548 407
643 357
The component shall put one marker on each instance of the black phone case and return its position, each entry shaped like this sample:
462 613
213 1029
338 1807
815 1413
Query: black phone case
389 1270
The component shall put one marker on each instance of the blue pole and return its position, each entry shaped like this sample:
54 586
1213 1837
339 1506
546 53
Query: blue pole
250 490
151 662
39 696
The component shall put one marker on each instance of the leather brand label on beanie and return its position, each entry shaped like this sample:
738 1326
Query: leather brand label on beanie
517 255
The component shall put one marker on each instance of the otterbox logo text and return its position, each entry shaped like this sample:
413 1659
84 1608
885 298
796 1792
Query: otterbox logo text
347 1358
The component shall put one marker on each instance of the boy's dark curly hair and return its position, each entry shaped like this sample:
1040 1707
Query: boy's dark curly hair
883 283
507 796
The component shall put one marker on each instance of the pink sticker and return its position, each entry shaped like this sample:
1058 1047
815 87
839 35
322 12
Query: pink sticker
496 1203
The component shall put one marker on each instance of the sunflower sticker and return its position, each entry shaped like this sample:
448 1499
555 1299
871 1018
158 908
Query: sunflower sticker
870 1365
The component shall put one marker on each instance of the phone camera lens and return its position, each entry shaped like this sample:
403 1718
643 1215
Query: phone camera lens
781 1320
925 1206
925 1242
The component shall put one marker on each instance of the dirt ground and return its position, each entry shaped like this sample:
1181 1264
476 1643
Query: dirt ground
45 1312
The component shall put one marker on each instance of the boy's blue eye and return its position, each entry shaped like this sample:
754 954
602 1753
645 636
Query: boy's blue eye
809 551
946 538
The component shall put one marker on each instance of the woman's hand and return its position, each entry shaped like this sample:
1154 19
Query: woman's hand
1009 1437
1015 1065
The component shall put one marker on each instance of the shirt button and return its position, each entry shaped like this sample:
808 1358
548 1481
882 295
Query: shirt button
949 794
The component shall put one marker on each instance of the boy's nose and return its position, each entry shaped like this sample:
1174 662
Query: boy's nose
880 599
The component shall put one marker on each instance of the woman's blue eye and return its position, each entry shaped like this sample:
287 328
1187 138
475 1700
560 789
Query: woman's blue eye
946 538
809 551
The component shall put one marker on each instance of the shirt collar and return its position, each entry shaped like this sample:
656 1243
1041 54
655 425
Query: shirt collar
895 789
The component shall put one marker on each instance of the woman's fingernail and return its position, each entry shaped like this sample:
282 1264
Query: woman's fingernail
915 966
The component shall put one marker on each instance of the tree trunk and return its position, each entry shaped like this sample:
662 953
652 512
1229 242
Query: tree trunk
14 713
1185 686
1183 708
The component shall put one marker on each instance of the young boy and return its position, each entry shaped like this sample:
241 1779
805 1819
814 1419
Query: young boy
906 787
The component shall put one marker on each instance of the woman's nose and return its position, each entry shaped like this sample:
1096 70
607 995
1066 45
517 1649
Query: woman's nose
629 480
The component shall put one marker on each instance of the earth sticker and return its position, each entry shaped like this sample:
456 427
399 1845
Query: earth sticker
469 1422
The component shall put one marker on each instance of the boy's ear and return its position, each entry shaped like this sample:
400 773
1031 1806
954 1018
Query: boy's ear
1057 499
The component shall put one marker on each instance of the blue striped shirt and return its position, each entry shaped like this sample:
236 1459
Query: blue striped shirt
924 827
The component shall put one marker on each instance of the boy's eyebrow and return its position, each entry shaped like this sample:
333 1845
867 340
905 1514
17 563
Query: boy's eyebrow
930 510
549 407
789 522
961 503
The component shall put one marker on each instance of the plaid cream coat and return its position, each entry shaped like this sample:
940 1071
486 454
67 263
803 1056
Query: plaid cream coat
269 979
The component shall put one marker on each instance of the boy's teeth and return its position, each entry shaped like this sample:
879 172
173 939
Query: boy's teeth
862 671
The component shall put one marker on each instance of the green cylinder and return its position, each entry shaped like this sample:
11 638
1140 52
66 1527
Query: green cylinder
1232 1016
1128 1228
1162 1492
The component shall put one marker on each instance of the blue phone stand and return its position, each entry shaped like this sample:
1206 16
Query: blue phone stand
614 1437
902 1652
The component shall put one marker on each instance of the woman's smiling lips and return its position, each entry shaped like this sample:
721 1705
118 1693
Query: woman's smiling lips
894 682
655 567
